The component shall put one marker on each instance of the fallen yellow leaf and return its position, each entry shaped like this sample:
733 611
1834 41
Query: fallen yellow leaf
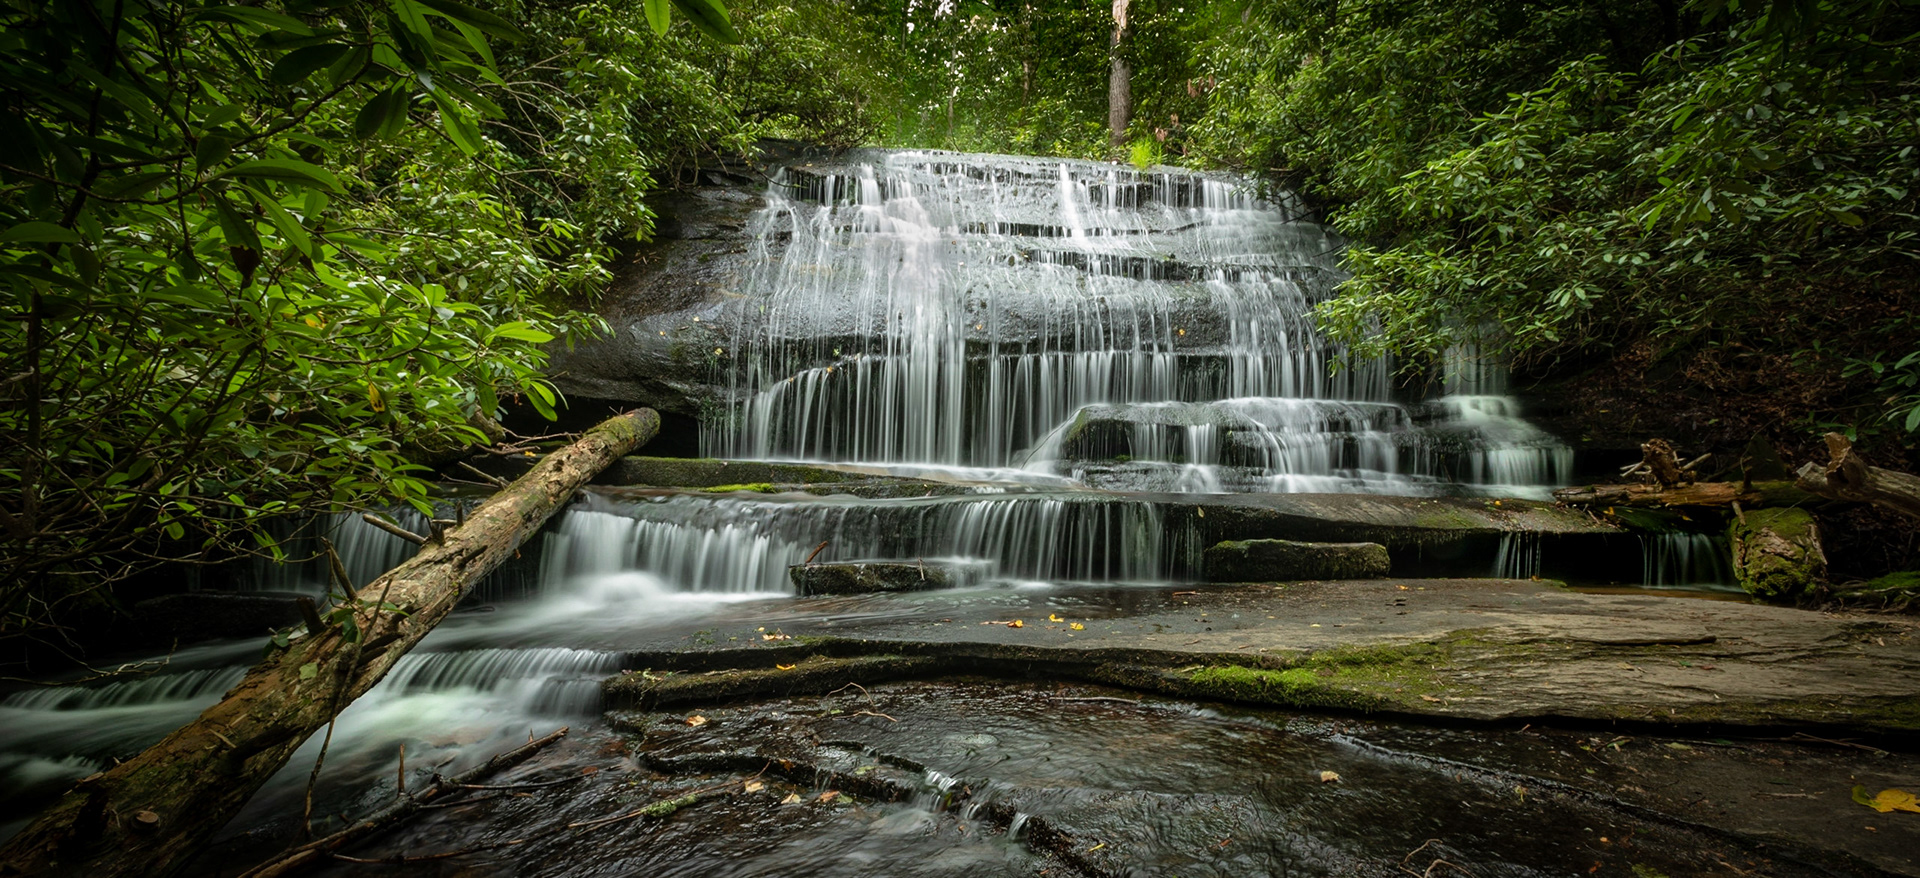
1888 800
1016 624
791 799
1329 777
696 720
828 796
784 667
754 786
1077 626
1054 617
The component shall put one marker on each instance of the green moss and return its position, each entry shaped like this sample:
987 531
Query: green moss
1363 678
1792 524
1776 553
1905 580
760 487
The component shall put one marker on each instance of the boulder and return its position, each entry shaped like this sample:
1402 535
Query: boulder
1283 560
867 577
1777 554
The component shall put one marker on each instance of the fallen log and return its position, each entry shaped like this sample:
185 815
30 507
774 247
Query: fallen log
1846 477
196 779
1752 495
407 806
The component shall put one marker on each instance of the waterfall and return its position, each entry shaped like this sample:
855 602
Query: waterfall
929 308
729 544
1686 559
1518 556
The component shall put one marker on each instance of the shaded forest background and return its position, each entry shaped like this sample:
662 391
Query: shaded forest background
284 258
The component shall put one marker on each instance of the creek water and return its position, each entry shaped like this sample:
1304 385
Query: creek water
1049 331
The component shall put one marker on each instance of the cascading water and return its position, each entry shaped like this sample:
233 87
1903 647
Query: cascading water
1068 324
1687 560
964 310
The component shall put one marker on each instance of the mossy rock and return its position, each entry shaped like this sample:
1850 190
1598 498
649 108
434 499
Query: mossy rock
1282 560
1777 554
868 577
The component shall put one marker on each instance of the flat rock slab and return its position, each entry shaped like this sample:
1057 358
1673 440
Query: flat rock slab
1468 649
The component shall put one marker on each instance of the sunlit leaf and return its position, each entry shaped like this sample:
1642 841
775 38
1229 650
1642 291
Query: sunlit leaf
710 18
1887 801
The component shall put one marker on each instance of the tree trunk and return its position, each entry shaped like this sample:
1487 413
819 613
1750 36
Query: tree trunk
1119 81
1847 477
196 779
1755 495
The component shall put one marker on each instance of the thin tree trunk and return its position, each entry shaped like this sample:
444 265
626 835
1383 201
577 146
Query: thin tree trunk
1119 81
1847 477
151 814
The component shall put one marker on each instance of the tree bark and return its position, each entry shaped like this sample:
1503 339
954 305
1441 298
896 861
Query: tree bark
1756 495
1119 81
1847 477
199 776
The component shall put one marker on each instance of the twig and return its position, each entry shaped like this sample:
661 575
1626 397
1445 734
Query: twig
816 551
392 528
1422 847
485 476
863 690
312 851
871 713
339 569
1807 737
130 669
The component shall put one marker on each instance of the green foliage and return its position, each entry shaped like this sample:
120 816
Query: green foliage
258 253
1543 181
1144 153
1029 77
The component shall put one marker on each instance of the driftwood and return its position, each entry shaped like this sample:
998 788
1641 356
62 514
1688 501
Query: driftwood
1658 460
406 806
1846 477
1752 495
196 779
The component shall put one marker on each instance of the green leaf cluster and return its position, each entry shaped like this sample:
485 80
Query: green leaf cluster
1563 179
261 257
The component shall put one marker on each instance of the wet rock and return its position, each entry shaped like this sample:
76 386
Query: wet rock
1285 560
728 476
866 577
665 308
814 675
195 616
1777 554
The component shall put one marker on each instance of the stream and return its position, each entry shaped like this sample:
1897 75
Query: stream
1066 344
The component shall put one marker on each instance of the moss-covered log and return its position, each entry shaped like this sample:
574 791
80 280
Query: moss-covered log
151 814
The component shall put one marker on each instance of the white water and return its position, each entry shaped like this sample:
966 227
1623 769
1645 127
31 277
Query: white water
928 308
938 314
1686 560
